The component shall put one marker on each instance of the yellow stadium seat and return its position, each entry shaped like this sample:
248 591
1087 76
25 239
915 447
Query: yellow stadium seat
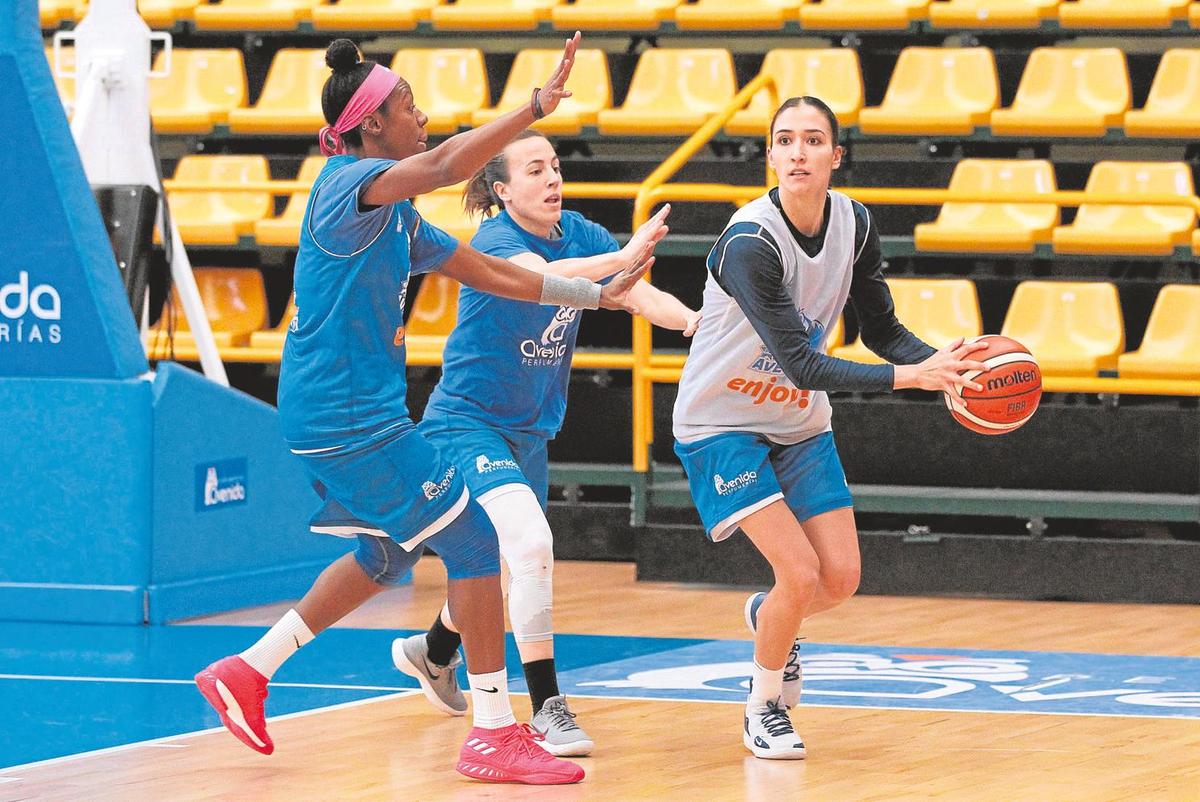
673 92
836 335
1121 229
1173 106
936 310
1071 328
1196 242
273 338
285 230
1122 13
290 102
53 12
166 13
257 15
434 313
222 215
492 15
444 209
203 87
613 15
936 90
1194 15
738 15
65 86
448 84
591 91
993 227
831 74
1068 92
1171 346
863 14
235 303
991 13
372 15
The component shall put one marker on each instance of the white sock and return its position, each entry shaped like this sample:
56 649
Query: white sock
767 685
281 642
489 699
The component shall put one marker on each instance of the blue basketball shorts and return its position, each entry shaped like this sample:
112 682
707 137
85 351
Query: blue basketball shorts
735 474
490 458
394 494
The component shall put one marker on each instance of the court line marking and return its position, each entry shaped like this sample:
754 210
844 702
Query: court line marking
156 681
153 741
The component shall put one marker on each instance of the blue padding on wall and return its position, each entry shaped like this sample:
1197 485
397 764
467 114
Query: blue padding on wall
63 311
231 503
75 506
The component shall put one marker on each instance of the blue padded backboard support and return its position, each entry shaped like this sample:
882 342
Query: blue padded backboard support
63 310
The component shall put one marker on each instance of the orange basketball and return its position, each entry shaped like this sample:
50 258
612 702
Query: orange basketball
1012 388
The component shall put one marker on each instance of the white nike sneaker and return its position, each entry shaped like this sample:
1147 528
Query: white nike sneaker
769 733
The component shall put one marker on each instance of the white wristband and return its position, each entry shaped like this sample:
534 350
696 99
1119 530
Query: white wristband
577 292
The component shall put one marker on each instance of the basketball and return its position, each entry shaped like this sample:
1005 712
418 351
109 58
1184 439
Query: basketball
1012 388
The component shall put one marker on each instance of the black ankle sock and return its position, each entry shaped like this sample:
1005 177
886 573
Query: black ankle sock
442 642
542 681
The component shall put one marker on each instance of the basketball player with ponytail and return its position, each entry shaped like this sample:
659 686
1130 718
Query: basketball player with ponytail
342 398
502 398
752 419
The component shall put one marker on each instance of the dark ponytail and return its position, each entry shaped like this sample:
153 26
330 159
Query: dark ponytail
349 71
814 102
479 197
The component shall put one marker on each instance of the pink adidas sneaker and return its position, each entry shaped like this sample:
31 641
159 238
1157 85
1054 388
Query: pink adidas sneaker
512 755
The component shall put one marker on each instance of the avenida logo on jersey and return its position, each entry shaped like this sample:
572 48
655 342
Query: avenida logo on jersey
742 480
485 465
220 484
433 490
29 312
551 349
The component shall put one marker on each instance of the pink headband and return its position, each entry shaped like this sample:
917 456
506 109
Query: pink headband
369 96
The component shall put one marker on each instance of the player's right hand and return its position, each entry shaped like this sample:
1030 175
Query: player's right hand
641 245
554 90
943 370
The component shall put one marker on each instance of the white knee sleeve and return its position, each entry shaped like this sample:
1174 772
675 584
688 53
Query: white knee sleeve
527 547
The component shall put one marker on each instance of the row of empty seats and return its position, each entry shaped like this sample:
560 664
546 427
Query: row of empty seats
1072 328
630 15
944 91
223 215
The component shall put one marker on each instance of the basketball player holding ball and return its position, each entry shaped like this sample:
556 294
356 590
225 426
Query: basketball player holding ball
752 420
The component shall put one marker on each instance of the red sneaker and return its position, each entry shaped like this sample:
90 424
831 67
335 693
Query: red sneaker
236 691
512 755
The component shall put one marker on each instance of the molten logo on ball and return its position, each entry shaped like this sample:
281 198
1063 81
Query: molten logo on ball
1012 388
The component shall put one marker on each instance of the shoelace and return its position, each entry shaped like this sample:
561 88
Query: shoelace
560 715
776 721
524 738
791 670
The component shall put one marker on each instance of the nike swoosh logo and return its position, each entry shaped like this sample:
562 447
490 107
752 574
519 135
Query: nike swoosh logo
490 690
297 641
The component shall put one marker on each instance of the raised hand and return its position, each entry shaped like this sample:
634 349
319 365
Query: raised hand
641 245
615 294
942 371
554 90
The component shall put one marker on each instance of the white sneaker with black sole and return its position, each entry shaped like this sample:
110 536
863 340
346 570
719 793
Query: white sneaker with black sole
561 736
768 732
793 675
438 683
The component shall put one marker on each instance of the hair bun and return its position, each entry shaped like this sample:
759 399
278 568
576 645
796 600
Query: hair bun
342 55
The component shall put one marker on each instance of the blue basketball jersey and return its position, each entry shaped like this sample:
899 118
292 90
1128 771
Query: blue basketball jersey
342 377
506 364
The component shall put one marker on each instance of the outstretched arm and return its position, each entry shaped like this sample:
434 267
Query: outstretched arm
462 155
663 309
637 250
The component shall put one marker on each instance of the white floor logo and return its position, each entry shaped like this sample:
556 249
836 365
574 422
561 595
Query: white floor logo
432 490
742 480
551 349
42 301
485 465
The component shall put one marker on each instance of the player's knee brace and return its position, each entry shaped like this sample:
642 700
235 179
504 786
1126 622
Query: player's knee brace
527 545
468 546
383 560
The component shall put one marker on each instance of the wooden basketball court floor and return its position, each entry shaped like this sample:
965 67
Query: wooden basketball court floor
394 746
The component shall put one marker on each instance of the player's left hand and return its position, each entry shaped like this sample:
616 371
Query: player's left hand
615 294
555 89
691 323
